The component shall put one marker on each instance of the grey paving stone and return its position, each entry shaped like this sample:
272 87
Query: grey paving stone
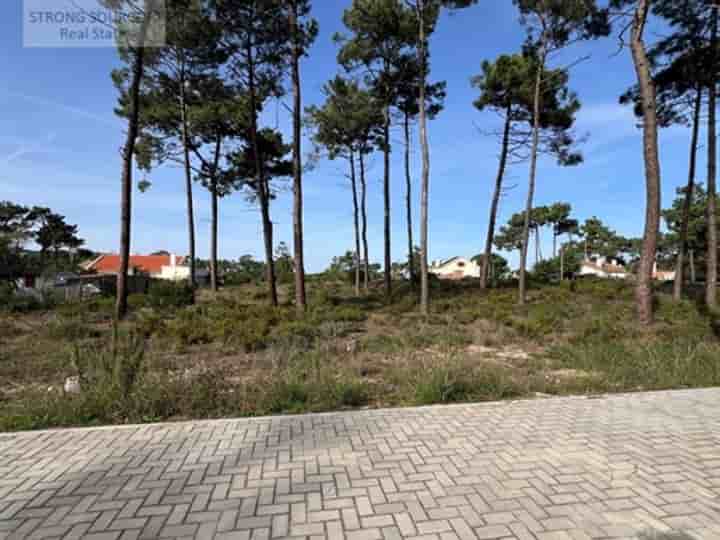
641 466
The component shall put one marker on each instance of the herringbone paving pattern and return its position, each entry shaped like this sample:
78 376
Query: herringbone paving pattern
629 466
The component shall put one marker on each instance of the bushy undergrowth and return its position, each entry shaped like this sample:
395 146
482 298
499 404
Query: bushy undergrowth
167 294
243 326
345 352
617 365
453 382
12 301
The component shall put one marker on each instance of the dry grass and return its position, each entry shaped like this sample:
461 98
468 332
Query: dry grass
230 355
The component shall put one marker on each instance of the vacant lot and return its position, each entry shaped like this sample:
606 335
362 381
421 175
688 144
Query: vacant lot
230 355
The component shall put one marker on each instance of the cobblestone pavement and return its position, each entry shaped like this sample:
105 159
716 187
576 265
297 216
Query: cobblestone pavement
629 466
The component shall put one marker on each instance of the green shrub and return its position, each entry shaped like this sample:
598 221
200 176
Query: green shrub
288 396
466 316
138 301
101 308
149 323
383 343
635 365
71 330
247 327
189 327
340 313
450 381
351 393
167 294
300 332
443 385
116 365
13 302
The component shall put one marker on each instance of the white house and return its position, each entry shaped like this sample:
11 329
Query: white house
455 268
604 268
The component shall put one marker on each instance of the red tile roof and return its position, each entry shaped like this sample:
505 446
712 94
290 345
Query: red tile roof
150 264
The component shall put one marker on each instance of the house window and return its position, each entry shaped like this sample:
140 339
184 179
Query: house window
461 264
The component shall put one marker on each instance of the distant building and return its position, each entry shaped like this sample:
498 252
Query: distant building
663 275
168 266
455 268
603 267
612 269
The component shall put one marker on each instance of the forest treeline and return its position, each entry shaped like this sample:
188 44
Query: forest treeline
198 102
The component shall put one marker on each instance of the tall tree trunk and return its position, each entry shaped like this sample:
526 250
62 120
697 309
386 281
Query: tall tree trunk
214 241
712 235
496 199
693 277
356 222
522 288
268 241
425 148
643 290
188 183
263 190
363 211
689 192
138 69
300 298
387 271
215 216
408 201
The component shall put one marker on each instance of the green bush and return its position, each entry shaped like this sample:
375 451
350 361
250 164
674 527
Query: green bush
452 382
115 365
299 332
97 306
167 294
288 396
244 326
635 365
138 301
351 393
12 302
149 323
71 330
443 385
189 327
339 313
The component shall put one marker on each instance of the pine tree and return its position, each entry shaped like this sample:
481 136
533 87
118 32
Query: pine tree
257 31
681 78
219 121
409 108
551 26
302 32
381 32
640 11
427 13
506 87
135 53
342 126
172 89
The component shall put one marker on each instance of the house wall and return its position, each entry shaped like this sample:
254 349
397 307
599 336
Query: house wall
174 273
457 269
592 271
587 270
665 276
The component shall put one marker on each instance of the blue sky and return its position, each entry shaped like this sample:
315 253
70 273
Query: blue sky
60 147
